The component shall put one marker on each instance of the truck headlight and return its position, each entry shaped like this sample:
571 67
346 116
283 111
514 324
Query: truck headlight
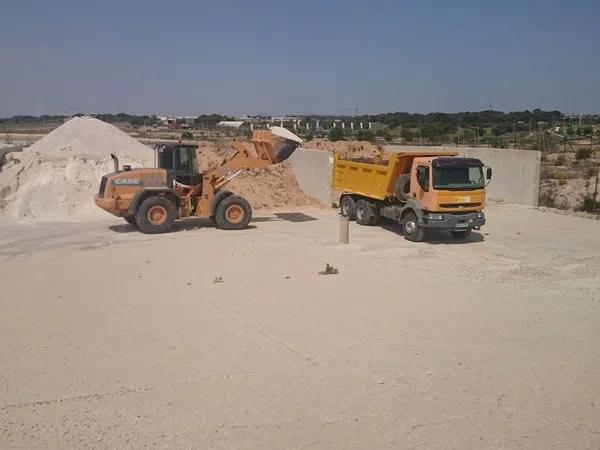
480 215
435 216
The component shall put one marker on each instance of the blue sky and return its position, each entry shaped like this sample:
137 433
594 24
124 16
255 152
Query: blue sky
282 57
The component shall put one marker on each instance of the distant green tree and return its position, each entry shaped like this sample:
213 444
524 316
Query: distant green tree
365 135
336 134
187 135
384 133
583 153
407 134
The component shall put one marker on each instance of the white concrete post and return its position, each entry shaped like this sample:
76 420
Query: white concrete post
361 126
370 125
307 127
352 125
344 230
317 125
343 126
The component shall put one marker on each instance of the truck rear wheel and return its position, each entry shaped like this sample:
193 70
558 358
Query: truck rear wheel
412 230
233 213
348 207
156 215
365 213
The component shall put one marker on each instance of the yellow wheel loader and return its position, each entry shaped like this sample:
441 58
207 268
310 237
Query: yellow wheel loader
153 198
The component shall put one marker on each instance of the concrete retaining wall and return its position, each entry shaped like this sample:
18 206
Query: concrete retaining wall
313 170
516 177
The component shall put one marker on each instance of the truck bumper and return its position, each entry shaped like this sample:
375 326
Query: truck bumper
466 221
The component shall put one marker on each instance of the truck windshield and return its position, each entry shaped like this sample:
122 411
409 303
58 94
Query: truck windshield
458 178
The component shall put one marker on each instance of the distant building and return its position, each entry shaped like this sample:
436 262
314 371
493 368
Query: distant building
231 124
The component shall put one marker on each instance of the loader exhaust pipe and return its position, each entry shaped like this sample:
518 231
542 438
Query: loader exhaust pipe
115 161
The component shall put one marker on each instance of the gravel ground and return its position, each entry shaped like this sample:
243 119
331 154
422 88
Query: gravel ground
211 339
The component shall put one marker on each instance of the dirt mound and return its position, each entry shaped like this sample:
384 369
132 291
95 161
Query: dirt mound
272 187
346 149
56 178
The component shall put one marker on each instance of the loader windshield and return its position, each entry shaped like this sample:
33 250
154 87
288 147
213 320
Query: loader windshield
458 178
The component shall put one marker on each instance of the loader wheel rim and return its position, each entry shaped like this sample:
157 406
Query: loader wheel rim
234 214
157 215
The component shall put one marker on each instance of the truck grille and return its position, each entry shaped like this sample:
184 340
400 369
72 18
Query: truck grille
102 186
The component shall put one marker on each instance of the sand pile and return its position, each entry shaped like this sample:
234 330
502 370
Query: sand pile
272 187
346 149
56 178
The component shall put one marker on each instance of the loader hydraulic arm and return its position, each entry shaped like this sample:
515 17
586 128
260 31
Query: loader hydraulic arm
269 148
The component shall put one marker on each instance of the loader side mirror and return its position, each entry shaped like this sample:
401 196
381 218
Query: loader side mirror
488 173
423 177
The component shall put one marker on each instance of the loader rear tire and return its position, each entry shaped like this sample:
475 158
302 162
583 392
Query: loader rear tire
130 220
348 207
233 213
156 215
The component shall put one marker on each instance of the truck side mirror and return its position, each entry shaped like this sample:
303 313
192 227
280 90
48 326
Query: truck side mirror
423 177
488 173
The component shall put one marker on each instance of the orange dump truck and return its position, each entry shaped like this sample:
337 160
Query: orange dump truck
421 191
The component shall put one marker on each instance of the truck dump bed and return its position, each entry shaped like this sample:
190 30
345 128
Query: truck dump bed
375 179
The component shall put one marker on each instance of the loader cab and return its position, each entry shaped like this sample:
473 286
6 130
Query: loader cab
179 160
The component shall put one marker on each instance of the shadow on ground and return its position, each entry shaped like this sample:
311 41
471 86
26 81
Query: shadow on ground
180 225
436 237
290 217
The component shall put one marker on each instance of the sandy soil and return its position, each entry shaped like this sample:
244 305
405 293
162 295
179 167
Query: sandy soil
347 149
114 339
271 187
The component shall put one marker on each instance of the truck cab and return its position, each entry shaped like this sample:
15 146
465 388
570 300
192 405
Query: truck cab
420 190
450 193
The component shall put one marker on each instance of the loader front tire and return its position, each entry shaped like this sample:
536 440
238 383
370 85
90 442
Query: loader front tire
233 213
156 215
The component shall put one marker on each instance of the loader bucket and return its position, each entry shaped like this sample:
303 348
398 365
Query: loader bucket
277 142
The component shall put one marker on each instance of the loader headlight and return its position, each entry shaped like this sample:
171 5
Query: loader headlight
480 215
435 216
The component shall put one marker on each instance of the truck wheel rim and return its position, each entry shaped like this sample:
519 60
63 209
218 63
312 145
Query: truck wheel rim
410 227
157 215
344 208
234 214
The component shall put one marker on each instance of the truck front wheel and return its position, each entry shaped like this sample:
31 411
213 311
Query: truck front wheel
412 230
